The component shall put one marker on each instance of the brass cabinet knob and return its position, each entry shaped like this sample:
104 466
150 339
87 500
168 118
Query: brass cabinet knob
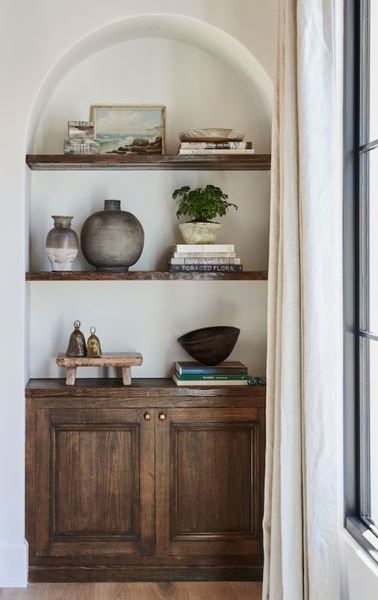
147 416
162 417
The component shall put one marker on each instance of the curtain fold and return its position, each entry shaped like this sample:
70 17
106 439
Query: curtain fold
304 362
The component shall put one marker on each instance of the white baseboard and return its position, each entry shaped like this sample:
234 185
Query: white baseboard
13 565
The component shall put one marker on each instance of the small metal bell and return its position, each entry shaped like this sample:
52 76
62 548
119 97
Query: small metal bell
93 344
76 346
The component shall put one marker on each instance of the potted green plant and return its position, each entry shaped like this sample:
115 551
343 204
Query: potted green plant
202 205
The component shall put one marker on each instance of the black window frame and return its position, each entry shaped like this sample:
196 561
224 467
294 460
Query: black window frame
356 151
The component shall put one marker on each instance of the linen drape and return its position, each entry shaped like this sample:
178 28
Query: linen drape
304 364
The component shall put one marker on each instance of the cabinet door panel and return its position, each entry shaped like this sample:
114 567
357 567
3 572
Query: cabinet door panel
94 482
209 500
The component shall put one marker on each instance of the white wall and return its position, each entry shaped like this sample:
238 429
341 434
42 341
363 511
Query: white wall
34 35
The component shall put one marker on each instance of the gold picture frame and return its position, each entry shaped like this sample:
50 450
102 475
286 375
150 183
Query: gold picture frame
129 129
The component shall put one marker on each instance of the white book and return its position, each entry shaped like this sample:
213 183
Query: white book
211 382
204 261
224 152
204 248
216 145
204 255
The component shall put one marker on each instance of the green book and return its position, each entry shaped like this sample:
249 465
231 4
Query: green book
212 377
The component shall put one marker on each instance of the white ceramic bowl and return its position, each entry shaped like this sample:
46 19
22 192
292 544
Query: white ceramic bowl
211 135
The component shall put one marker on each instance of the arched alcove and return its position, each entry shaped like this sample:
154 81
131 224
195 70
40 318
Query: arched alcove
182 28
148 316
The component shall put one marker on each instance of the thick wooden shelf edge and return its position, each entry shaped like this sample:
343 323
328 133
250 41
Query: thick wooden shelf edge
143 388
144 276
67 162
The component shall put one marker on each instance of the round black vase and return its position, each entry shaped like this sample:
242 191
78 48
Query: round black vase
112 239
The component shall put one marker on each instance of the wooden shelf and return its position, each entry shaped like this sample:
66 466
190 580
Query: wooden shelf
154 391
69 162
144 276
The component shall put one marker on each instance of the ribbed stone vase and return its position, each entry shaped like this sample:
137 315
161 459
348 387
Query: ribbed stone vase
112 239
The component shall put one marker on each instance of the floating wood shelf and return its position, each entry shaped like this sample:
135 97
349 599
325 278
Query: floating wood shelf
143 276
69 162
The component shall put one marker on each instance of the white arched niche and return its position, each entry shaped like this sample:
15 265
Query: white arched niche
205 78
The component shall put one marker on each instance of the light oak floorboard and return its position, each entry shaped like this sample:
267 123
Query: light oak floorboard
136 591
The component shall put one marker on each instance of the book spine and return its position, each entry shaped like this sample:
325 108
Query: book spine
225 152
242 377
204 255
210 371
204 248
216 145
205 261
206 268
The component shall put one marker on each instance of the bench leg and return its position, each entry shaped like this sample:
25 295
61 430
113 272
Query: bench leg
126 376
71 376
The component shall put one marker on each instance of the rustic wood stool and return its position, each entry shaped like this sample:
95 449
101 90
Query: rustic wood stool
123 360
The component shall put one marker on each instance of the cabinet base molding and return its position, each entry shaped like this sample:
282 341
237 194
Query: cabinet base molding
108 573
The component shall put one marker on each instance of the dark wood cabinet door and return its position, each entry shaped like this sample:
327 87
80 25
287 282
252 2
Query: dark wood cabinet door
94 493
209 481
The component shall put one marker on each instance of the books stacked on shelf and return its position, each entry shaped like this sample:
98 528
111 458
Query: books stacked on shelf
205 258
188 373
225 147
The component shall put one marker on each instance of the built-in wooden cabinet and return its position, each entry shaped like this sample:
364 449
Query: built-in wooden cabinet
148 482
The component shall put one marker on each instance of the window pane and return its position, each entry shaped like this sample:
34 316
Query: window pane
373 239
373 433
373 41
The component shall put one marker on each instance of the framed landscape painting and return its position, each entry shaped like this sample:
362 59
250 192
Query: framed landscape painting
129 129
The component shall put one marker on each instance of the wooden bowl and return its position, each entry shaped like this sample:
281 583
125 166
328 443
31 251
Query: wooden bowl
210 345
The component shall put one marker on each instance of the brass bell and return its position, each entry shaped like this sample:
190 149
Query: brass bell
93 344
76 345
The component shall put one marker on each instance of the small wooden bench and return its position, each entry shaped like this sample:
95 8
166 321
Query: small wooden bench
122 360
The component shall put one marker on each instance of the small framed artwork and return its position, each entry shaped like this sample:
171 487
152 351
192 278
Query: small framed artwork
129 129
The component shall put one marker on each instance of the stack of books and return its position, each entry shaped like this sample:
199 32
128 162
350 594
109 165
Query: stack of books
223 147
205 258
226 373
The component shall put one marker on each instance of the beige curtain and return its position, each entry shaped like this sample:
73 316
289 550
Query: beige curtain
303 469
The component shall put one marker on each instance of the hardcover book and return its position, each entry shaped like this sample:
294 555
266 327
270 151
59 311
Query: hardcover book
211 260
187 367
204 248
179 382
206 268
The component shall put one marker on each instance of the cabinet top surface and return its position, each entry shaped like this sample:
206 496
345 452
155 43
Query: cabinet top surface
146 388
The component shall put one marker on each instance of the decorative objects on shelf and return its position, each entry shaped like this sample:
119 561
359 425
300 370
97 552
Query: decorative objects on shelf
204 258
112 239
130 129
214 142
203 205
123 361
77 347
80 138
62 244
210 345
93 345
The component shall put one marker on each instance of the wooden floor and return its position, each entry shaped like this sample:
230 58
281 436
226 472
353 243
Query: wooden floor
136 591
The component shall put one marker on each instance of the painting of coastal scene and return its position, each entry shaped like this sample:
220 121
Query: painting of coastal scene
129 129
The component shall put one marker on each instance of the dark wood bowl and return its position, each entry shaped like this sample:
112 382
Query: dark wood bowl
210 345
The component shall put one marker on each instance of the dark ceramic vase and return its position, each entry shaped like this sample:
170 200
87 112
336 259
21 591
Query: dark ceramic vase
112 239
